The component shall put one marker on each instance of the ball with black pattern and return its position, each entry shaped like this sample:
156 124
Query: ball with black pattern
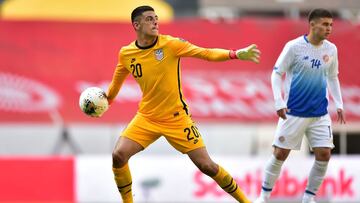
93 102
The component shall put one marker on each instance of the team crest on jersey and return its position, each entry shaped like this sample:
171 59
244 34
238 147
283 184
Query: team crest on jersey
326 58
159 54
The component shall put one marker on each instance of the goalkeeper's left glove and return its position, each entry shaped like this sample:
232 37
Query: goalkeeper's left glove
250 53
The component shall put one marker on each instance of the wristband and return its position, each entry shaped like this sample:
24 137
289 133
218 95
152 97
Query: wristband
232 54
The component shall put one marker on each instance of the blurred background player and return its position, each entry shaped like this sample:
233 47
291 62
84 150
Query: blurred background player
154 62
309 62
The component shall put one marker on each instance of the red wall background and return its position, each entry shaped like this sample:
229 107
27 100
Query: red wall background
66 57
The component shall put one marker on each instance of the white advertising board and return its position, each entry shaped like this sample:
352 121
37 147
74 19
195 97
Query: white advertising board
176 179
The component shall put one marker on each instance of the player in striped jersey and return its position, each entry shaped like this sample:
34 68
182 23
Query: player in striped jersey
310 63
154 62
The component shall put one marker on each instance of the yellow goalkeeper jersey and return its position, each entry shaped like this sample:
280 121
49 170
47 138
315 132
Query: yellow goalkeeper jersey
156 69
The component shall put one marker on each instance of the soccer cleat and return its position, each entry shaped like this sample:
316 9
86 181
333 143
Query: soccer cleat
261 200
308 199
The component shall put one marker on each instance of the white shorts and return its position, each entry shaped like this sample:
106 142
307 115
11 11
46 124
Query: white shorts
289 133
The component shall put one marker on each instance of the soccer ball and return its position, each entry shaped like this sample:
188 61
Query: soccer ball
93 102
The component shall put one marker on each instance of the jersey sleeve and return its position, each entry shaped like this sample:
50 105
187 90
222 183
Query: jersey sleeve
334 67
281 66
333 82
284 60
118 79
276 88
184 48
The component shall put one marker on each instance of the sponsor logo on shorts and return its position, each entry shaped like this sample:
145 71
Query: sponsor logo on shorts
281 138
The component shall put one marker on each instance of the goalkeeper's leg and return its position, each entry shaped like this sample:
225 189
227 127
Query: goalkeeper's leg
124 149
201 159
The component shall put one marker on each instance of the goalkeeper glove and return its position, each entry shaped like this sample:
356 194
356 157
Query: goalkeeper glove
250 53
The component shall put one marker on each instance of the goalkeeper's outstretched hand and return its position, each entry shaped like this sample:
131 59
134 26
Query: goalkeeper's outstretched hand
250 53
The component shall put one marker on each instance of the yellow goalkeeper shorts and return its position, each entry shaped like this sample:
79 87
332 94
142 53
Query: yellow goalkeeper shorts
181 133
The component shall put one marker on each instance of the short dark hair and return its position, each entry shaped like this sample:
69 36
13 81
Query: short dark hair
319 13
139 11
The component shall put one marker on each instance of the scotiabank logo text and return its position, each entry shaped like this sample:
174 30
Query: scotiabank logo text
340 185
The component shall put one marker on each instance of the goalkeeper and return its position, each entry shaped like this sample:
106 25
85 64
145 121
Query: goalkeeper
154 62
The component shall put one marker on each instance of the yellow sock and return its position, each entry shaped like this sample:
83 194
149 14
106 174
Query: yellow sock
123 181
228 184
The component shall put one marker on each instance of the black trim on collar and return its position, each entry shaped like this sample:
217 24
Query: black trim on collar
147 47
